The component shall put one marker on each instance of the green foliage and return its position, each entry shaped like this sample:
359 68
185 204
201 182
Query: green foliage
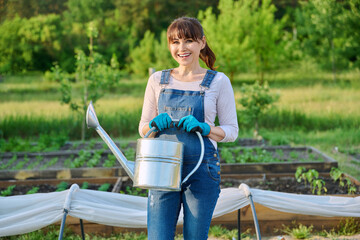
95 159
311 177
246 155
135 191
24 43
244 34
348 227
110 161
7 165
256 99
50 163
150 53
8 191
33 190
104 187
92 73
324 30
85 185
299 232
62 186
339 176
228 35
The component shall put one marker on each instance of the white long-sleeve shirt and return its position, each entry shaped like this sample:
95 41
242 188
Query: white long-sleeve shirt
219 100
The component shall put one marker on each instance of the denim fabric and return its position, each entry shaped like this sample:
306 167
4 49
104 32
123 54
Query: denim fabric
199 194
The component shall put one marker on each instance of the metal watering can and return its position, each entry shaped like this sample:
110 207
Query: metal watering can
158 163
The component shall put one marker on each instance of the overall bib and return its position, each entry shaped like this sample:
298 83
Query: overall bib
200 192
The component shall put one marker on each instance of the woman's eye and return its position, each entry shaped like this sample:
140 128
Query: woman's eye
189 40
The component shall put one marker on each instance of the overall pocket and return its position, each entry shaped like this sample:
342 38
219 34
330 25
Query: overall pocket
213 168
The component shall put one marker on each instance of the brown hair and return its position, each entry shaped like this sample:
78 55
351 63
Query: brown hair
186 27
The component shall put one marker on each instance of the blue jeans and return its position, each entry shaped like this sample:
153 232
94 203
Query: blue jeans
198 197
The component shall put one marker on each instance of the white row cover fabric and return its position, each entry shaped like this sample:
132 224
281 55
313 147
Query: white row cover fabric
27 213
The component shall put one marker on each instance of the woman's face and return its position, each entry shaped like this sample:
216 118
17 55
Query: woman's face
186 51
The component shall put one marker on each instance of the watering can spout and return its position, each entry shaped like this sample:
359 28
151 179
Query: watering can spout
93 122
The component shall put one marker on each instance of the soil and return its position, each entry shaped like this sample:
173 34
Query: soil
283 184
287 184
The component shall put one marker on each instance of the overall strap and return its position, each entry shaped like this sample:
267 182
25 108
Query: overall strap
209 76
165 75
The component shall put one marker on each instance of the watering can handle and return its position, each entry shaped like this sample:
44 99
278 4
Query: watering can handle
201 154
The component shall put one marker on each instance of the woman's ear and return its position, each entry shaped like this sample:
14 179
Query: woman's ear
203 41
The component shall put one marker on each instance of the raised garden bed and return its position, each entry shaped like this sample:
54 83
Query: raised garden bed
99 161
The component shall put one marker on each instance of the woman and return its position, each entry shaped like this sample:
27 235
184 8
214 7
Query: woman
192 96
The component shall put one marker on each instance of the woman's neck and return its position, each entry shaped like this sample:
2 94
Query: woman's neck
186 74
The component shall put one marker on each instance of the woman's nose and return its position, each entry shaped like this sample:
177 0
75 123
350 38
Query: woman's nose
182 46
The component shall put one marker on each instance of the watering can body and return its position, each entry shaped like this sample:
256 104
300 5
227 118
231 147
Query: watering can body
158 163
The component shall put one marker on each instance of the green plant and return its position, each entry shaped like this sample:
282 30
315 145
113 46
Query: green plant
84 155
338 175
348 227
104 187
129 153
39 158
50 163
33 190
226 155
298 232
318 185
135 191
8 191
217 231
62 186
256 99
110 161
95 159
68 162
311 177
9 163
21 164
85 185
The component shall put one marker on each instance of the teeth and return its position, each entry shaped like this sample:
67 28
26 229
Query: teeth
184 55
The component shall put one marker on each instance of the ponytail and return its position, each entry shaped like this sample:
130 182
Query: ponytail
208 56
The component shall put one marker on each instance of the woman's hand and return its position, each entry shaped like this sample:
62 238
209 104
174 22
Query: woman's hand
191 124
161 121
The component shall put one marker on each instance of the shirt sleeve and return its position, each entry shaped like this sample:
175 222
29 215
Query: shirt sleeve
226 109
149 110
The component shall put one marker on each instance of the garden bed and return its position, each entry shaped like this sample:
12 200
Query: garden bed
79 163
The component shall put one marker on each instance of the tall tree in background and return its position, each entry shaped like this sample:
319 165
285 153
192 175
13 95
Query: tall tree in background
352 31
265 37
320 24
244 34
228 35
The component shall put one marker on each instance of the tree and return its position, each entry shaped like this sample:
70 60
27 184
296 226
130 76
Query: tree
30 44
228 35
320 25
244 34
92 74
256 99
265 36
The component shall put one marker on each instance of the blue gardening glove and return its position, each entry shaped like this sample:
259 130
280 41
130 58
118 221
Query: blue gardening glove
191 124
161 121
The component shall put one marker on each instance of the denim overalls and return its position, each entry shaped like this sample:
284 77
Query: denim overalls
200 192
